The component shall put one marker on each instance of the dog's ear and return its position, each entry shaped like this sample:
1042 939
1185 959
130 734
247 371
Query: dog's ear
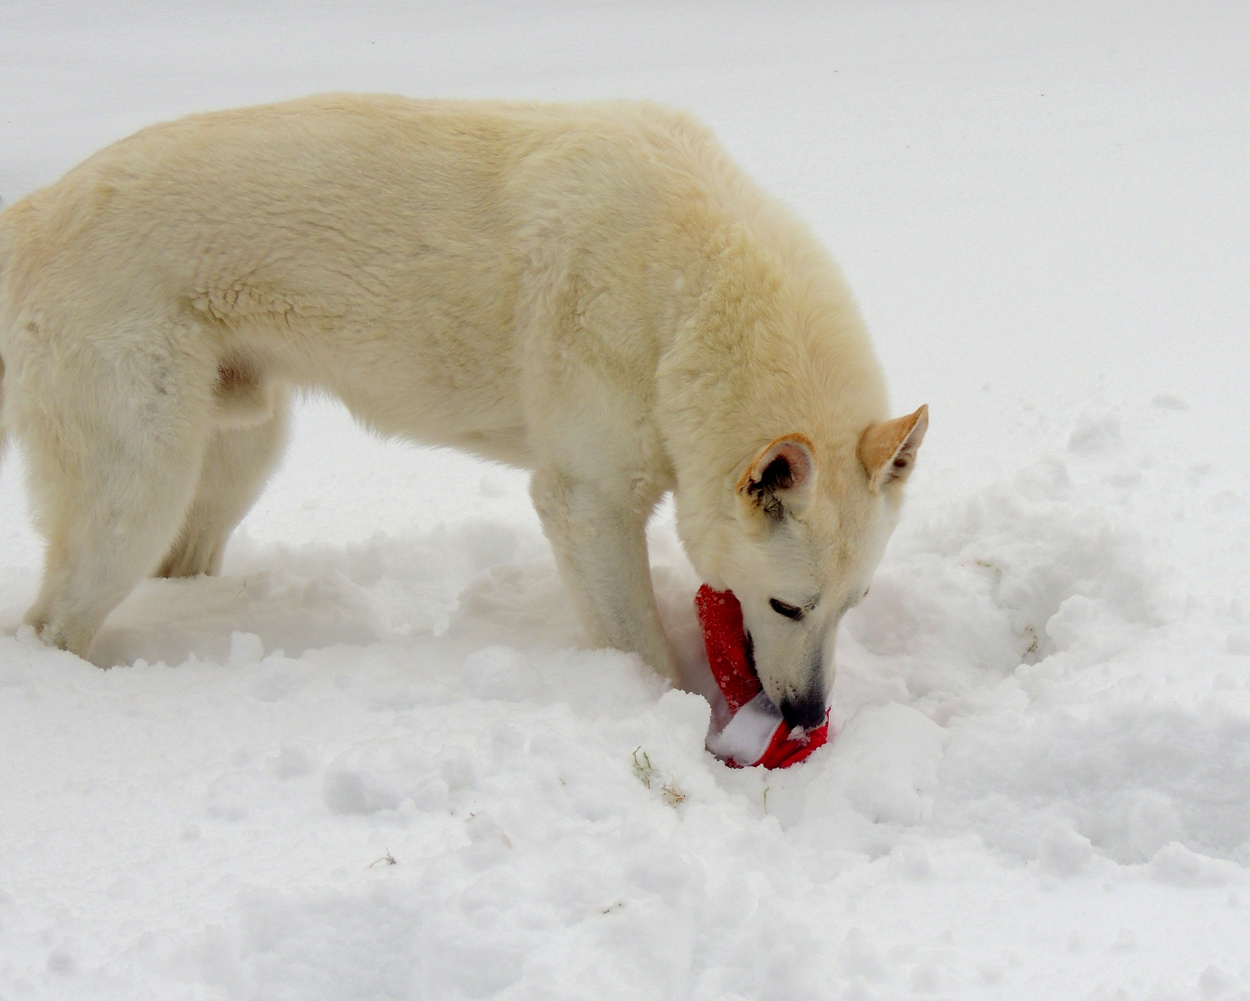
888 450
782 476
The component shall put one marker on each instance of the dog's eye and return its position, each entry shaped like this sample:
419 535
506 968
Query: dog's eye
789 611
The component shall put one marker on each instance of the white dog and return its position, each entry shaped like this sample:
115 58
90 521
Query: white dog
594 292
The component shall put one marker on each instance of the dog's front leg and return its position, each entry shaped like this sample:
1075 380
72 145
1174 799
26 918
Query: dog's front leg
600 542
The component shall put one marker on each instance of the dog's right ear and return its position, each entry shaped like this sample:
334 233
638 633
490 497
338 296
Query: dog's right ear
887 451
782 476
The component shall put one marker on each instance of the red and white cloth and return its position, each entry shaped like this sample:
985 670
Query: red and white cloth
755 733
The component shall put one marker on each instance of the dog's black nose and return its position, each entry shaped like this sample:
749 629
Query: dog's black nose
807 711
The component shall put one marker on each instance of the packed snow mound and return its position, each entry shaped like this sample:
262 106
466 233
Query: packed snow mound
1077 642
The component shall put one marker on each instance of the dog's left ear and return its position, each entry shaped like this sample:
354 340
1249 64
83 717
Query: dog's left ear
782 476
888 450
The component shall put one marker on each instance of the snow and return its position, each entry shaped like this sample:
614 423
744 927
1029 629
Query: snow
373 761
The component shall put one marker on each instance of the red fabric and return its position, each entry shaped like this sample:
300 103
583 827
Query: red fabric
783 752
725 639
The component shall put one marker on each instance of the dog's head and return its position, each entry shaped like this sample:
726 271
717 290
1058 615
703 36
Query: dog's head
801 547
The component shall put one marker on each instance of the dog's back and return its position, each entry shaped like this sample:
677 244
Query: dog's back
329 240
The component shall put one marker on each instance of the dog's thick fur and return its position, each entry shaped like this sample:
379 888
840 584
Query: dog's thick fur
593 292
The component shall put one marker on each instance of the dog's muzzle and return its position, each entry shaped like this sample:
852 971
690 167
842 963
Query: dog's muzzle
807 710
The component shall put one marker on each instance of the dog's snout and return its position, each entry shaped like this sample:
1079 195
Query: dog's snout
807 710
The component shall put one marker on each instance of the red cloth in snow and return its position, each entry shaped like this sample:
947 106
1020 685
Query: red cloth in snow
725 638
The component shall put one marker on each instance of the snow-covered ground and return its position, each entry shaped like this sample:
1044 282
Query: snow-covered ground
371 761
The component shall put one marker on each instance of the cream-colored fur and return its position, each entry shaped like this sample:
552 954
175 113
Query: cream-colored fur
594 292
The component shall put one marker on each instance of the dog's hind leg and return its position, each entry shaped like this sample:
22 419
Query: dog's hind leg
600 544
115 441
237 462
